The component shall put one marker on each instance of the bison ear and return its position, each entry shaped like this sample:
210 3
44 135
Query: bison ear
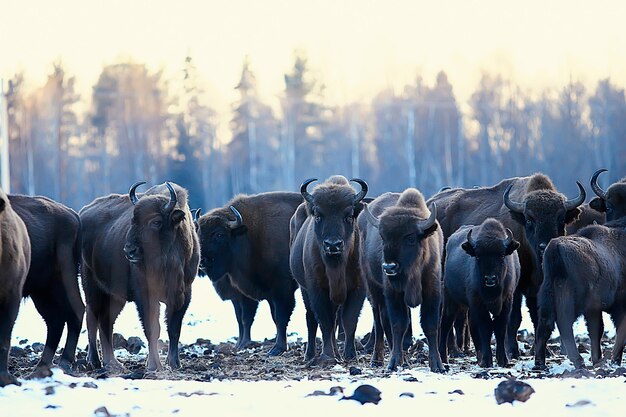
177 216
239 230
468 248
358 208
512 247
598 204
572 215
430 230
518 217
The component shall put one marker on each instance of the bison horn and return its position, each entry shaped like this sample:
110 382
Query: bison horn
512 205
375 221
361 194
233 224
430 221
594 184
196 214
131 192
469 238
173 199
308 197
572 204
508 238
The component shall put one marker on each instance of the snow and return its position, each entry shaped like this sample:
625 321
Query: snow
210 318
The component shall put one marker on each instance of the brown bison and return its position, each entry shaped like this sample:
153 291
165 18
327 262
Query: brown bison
245 253
585 274
534 211
142 249
402 249
52 281
481 274
324 260
14 264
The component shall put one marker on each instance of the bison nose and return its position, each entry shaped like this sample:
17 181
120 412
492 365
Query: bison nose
132 253
333 246
490 281
391 268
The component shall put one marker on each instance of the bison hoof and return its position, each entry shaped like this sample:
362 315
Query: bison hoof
8 379
324 361
376 363
540 367
277 350
394 363
243 344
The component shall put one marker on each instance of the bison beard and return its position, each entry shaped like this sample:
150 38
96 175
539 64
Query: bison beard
155 234
14 264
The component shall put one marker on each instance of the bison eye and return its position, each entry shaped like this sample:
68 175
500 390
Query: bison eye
529 222
411 239
349 219
156 224
318 218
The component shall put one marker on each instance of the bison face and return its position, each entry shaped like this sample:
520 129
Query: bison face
489 253
403 236
219 242
544 214
612 201
153 229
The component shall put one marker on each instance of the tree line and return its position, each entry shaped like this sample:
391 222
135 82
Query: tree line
135 127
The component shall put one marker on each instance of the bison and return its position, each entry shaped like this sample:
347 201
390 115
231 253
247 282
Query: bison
52 281
402 249
532 209
14 264
245 253
481 274
139 248
585 274
324 260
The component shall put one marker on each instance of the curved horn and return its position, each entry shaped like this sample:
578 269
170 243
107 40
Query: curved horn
512 205
361 194
594 184
469 238
196 214
173 199
131 192
425 224
239 220
308 197
575 202
374 221
508 238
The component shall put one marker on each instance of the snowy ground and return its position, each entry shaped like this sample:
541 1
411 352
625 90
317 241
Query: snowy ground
210 318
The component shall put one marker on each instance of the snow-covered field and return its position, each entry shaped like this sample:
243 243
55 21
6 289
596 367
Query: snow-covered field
209 317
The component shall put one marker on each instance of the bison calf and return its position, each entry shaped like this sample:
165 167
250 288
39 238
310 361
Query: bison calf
404 253
14 264
481 274
142 249
324 260
245 253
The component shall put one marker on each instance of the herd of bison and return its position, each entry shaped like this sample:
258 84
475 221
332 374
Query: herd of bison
466 256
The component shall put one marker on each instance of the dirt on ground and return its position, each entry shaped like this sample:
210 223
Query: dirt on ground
205 361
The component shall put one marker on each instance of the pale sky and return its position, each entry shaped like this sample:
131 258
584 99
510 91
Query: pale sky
357 47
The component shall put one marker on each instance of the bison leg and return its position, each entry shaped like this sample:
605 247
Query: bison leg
475 336
8 312
565 320
461 332
377 335
500 324
148 308
399 318
282 307
514 323
73 304
450 312
620 339
311 324
47 304
106 319
93 298
245 310
430 320
482 322
595 326
174 322
544 330
326 314
349 317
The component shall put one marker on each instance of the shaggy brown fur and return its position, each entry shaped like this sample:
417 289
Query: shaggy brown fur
14 264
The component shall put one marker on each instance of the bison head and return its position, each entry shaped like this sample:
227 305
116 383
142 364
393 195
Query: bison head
334 206
403 229
489 247
218 241
612 201
153 226
544 214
